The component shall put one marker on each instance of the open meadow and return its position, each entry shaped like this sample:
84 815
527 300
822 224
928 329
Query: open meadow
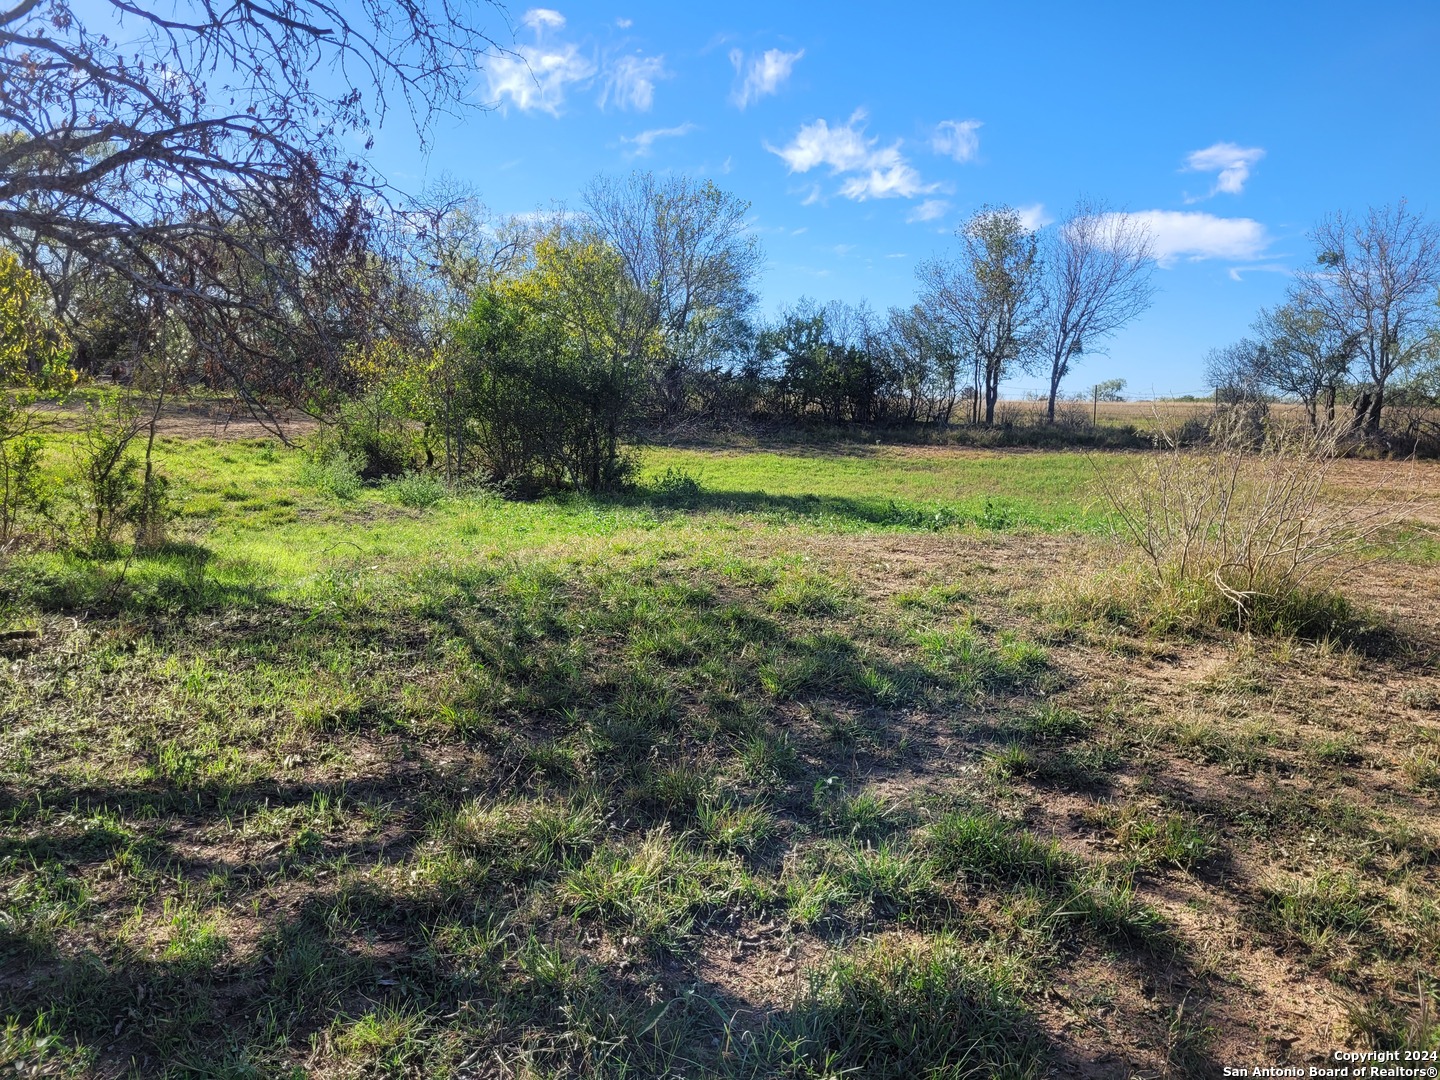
786 763
521 557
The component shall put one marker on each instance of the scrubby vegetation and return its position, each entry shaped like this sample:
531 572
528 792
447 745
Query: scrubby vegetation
778 764
438 645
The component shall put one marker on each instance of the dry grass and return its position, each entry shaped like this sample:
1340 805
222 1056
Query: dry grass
735 789
1244 535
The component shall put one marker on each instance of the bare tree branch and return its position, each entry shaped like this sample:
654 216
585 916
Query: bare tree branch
198 152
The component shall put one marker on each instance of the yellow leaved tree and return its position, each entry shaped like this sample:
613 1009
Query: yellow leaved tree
34 361
555 362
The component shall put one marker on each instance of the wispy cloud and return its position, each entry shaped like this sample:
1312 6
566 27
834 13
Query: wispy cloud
624 24
762 76
543 18
958 139
1237 272
1193 236
537 78
630 82
645 141
1033 216
1230 161
929 210
875 172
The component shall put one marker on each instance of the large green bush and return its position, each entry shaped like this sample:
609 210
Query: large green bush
552 371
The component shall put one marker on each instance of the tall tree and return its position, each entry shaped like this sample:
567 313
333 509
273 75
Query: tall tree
1098 268
1303 354
992 292
201 151
1376 281
686 245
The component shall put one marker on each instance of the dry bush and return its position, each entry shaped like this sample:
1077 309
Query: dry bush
1242 534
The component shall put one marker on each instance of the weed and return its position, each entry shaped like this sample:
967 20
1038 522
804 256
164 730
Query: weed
1320 910
1422 769
805 594
1159 837
731 826
1049 721
892 1012
335 473
863 815
1235 535
988 847
676 483
654 889
417 490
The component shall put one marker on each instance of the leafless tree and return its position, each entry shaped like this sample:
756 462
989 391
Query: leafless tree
1098 267
992 293
198 151
1376 281
1237 371
687 245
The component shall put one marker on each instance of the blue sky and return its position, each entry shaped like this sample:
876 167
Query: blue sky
863 134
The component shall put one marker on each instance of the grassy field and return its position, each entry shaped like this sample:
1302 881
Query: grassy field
801 763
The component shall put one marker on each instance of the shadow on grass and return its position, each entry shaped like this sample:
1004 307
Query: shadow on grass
173 579
322 985
992 514
394 958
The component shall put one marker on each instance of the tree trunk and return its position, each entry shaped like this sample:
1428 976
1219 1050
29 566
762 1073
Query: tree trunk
1055 375
1372 417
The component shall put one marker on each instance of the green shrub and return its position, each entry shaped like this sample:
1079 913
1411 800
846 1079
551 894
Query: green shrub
552 371
376 435
675 483
21 486
332 471
417 490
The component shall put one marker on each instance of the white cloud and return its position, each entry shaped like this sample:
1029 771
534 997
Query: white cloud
1192 235
1237 272
537 78
1231 162
842 148
630 82
1033 217
539 18
958 139
881 172
644 141
928 210
897 180
624 24
763 76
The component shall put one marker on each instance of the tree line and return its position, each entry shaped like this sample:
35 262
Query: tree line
187 210
1359 328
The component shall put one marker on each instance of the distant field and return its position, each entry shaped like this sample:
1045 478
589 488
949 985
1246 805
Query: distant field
791 762
1146 415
